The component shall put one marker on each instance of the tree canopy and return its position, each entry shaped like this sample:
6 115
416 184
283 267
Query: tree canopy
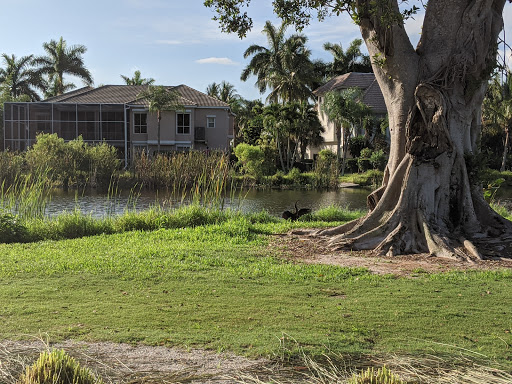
137 79
61 60
284 66
19 78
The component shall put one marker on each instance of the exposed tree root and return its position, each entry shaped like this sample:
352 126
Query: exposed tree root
422 213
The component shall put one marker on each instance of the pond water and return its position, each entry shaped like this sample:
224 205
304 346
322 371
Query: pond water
273 201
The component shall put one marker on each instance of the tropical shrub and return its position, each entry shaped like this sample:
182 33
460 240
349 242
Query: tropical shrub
11 229
11 167
356 144
378 160
363 164
296 177
251 158
74 162
366 153
277 179
351 165
103 162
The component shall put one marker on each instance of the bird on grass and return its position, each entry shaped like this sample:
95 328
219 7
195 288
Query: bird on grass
287 215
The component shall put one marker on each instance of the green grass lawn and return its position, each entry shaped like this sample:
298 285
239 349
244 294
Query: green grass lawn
221 287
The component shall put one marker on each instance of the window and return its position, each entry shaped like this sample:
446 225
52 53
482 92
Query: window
210 121
140 124
183 123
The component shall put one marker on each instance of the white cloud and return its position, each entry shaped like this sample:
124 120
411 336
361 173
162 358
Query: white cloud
169 42
217 60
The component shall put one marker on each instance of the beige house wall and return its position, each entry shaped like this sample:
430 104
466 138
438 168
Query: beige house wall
218 137
170 140
329 135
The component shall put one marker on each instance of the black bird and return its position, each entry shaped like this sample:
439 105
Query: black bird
295 215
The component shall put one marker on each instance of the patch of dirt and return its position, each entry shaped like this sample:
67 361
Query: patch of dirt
316 250
123 363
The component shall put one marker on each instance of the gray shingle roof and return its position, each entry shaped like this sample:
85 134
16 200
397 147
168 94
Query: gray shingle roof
128 94
365 81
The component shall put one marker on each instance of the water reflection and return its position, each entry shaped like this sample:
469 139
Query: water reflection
273 201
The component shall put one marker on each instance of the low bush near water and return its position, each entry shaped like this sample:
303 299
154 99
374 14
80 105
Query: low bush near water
11 230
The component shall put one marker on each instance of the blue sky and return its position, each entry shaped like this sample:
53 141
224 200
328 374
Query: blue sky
172 41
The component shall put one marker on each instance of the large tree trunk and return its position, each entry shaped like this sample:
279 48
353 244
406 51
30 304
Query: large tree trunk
429 201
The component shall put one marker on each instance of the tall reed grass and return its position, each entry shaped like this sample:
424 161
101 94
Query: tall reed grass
26 196
193 176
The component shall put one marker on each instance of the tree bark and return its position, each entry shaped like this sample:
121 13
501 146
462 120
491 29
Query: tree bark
505 149
428 201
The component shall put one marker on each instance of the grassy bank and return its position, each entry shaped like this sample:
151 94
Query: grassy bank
16 229
220 286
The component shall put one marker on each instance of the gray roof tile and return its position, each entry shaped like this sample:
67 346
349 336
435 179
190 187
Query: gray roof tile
365 81
129 94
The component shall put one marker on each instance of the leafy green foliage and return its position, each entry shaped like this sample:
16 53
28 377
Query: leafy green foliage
224 91
290 128
378 159
11 167
61 60
251 158
497 119
326 170
11 229
356 145
351 60
73 162
57 367
137 79
19 79
284 66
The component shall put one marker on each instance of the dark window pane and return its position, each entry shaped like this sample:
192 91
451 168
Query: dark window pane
40 111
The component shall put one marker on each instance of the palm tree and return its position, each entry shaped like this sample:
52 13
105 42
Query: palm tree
60 60
161 99
19 78
249 120
497 110
284 67
351 60
224 91
346 110
310 128
136 79
213 90
51 87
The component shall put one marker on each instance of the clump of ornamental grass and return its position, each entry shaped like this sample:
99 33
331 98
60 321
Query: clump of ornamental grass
57 367
375 376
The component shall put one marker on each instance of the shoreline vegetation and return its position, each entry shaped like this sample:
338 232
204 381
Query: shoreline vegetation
199 179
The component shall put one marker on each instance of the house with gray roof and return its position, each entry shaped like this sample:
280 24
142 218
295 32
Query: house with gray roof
117 115
372 96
